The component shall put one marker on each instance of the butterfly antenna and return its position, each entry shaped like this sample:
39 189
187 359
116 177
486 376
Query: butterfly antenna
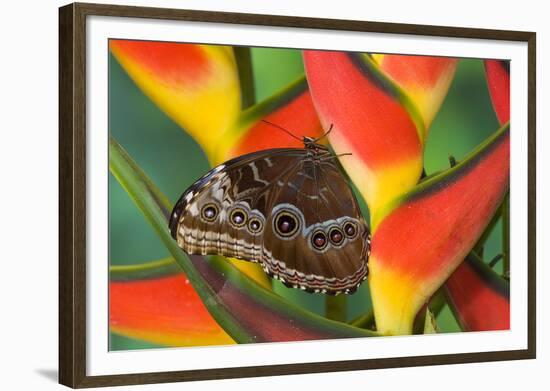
345 154
324 134
283 129
336 156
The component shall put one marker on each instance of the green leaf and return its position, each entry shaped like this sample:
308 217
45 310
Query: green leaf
246 311
335 307
142 271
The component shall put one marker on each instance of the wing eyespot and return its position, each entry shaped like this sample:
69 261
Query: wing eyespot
286 224
238 217
210 212
336 236
350 230
255 225
319 240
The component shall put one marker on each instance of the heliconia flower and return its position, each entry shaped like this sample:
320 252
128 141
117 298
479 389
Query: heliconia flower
380 108
426 234
478 297
195 85
498 81
163 310
372 118
426 79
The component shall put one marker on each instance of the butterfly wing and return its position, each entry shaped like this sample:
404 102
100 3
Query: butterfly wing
224 212
328 251
278 207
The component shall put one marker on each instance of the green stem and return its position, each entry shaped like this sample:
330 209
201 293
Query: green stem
246 76
154 269
429 312
495 260
478 248
365 321
335 307
506 237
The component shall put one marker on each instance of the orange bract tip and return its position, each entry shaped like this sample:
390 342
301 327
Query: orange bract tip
164 310
498 80
426 79
174 63
196 85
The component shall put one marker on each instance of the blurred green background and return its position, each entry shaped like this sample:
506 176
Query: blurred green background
173 161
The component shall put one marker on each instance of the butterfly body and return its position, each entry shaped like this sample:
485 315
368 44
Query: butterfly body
289 209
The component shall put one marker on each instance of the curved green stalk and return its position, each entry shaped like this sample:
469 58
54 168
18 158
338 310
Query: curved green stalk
154 269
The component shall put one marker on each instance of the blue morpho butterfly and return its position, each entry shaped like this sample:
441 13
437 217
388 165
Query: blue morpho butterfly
289 209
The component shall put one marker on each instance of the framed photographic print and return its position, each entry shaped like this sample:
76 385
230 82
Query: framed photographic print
248 195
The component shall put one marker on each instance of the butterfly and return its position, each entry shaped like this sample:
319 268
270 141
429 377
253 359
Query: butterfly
289 209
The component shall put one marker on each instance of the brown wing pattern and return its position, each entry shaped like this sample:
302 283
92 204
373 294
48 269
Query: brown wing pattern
233 187
329 253
295 215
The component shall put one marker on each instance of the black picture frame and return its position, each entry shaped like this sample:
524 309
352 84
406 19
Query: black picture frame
72 188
